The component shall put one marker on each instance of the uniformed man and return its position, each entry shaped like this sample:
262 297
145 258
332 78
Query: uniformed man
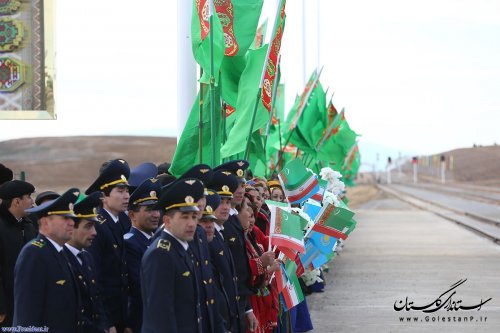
45 289
224 183
168 277
15 231
208 218
144 222
234 236
211 319
81 261
107 248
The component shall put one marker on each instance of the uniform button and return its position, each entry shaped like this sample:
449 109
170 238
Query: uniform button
206 262
197 263
212 301
93 281
83 310
80 277
237 298
210 280
207 302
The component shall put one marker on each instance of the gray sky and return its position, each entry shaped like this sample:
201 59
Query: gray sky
417 77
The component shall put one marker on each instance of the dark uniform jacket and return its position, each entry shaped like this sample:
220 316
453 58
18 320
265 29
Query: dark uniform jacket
225 276
136 243
169 289
211 319
45 290
13 236
234 236
93 315
108 252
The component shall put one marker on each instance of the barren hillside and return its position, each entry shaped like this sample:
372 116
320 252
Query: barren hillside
61 162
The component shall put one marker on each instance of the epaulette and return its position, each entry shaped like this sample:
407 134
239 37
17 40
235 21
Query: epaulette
164 244
100 218
38 243
128 235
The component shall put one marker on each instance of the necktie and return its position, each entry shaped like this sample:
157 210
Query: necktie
82 258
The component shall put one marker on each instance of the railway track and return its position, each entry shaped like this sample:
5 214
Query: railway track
486 226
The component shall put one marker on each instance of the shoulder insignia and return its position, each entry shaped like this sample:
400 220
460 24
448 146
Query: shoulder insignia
128 235
221 253
186 273
100 218
232 239
60 282
38 243
164 244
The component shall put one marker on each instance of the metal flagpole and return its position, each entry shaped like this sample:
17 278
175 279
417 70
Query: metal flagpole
186 66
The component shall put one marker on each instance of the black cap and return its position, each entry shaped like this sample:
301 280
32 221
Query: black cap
141 172
46 195
213 201
183 195
15 189
236 167
61 206
87 207
163 168
115 173
6 174
145 194
224 183
166 179
201 172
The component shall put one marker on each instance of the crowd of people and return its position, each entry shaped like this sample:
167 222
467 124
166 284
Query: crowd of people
143 251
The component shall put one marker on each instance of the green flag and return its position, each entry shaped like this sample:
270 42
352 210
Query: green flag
187 151
200 37
247 93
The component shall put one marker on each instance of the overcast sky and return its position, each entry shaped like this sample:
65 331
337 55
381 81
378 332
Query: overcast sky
414 76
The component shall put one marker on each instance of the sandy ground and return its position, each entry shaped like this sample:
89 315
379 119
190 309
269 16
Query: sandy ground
396 252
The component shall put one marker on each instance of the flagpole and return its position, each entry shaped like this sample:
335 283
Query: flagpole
300 113
275 27
273 102
212 84
200 121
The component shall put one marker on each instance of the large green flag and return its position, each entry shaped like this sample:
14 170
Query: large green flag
239 20
187 152
247 97
351 165
310 125
200 37
345 136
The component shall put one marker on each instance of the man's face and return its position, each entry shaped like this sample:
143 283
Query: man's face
202 203
117 201
84 234
58 228
182 224
21 204
238 195
145 219
208 226
222 212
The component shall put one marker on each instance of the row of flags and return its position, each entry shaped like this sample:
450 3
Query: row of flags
239 113
307 234
239 110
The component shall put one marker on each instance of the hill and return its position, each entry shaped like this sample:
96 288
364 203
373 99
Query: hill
58 163
478 165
